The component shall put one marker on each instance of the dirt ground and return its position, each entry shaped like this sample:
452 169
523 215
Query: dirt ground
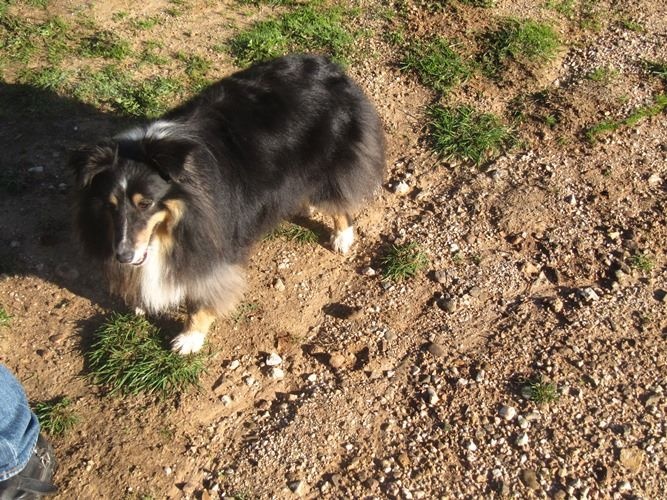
390 390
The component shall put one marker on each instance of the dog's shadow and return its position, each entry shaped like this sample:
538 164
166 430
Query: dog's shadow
38 129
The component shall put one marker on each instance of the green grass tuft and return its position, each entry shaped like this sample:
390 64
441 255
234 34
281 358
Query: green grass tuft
437 64
465 134
128 357
403 261
112 88
105 44
524 41
657 68
608 126
49 78
539 390
479 3
55 416
293 232
603 74
642 261
304 29
5 318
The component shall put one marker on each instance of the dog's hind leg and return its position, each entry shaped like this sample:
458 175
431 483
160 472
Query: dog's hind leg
343 235
192 339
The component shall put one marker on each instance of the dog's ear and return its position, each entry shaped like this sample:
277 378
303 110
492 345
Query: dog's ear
89 161
168 155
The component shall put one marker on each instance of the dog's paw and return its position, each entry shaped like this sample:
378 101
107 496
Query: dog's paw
188 343
342 240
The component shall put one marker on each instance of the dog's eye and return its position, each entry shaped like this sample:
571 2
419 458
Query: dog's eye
144 204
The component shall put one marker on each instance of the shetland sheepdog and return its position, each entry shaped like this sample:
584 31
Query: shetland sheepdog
172 208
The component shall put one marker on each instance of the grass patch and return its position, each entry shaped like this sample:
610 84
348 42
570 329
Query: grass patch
293 232
657 68
563 7
465 134
56 417
196 68
113 89
523 41
631 25
49 78
5 318
145 23
659 105
149 54
437 64
402 262
479 3
20 39
128 357
539 390
603 74
304 29
641 261
105 44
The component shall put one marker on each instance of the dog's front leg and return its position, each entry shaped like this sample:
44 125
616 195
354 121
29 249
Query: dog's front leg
192 339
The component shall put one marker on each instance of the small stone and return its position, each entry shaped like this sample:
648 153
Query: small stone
522 440
297 487
277 373
431 397
371 483
36 170
437 350
471 446
571 199
273 359
507 412
404 460
454 247
368 271
448 305
225 399
279 285
588 294
475 292
654 180
530 269
336 360
57 338
624 487
402 188
556 305
614 235
440 276
167 470
632 459
312 377
529 478
249 380
234 364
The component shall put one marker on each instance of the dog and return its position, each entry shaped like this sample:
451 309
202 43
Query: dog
172 208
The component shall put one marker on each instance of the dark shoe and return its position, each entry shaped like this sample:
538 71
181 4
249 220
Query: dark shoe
34 481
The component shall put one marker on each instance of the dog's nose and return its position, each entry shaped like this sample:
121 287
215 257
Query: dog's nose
124 256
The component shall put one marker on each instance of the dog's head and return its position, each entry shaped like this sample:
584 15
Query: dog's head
129 195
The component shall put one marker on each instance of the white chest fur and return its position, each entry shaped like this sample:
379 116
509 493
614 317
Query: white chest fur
158 290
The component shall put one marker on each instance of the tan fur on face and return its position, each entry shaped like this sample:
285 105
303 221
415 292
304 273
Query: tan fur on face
144 236
136 199
174 212
113 200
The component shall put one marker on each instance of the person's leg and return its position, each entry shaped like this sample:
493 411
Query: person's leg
27 461
19 427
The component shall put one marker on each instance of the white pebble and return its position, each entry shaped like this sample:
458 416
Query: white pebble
507 412
277 373
522 440
273 359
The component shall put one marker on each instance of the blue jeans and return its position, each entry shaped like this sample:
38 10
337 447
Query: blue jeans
19 427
